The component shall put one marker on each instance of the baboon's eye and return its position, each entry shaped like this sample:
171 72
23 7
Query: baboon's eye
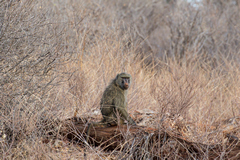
125 80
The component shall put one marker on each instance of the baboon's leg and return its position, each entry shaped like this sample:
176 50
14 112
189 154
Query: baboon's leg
111 119
123 115
118 118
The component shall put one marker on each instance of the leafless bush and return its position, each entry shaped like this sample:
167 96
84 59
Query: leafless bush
182 30
57 56
32 47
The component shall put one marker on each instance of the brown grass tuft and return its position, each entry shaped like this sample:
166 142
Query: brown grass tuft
57 57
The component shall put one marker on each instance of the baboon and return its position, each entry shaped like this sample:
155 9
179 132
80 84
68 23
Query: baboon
114 103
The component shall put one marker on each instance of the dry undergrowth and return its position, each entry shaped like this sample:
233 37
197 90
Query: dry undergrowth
57 57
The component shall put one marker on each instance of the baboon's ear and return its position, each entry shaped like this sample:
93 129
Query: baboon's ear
117 76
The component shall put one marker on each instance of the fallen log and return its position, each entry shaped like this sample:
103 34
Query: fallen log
149 143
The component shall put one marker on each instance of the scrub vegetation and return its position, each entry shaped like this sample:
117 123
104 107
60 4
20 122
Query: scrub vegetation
58 56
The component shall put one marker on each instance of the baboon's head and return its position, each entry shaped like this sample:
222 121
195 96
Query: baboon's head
123 80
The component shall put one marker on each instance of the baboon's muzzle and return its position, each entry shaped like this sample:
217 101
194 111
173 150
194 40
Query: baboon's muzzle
126 85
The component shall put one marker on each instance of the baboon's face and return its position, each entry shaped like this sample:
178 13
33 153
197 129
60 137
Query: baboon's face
125 82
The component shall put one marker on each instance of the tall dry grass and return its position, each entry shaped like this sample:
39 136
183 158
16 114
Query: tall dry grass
58 56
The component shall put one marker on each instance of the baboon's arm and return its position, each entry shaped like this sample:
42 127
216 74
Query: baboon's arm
123 113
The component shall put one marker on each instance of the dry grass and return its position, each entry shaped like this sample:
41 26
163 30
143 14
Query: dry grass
58 56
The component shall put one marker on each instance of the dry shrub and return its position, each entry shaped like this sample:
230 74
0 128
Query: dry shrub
30 51
58 56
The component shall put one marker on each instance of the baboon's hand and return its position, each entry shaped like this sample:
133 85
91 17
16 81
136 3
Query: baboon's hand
132 122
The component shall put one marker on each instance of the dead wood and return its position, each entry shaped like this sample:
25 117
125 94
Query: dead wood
147 142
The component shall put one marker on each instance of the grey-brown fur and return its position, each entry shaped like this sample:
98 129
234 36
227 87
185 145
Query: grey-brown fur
113 104
114 101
